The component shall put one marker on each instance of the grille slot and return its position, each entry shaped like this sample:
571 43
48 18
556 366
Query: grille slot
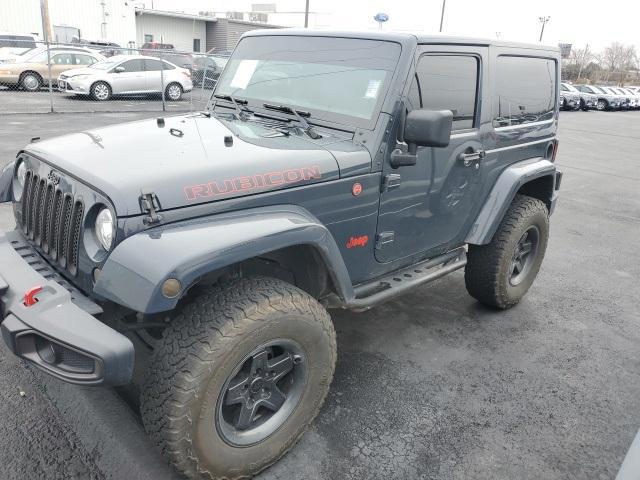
52 220
65 228
74 237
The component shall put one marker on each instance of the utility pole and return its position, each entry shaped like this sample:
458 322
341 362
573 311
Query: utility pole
306 14
543 21
444 3
46 22
104 20
46 33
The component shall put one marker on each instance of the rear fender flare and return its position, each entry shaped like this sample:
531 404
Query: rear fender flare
134 273
503 193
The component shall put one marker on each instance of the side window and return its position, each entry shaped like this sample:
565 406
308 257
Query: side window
525 90
156 65
133 66
449 82
152 65
84 59
62 59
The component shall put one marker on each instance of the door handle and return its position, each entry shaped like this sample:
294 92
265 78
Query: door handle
468 157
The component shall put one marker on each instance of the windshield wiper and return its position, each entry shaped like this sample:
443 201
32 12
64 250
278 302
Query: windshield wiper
240 111
299 114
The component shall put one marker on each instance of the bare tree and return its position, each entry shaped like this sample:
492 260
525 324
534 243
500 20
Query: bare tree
581 58
618 58
628 61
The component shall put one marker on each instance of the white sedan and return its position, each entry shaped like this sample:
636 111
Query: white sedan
127 75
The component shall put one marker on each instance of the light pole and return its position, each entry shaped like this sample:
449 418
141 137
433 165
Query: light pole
444 3
306 14
543 21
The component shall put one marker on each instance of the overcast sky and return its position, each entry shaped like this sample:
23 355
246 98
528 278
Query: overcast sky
572 21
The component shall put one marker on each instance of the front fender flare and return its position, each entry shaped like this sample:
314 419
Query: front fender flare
6 181
503 193
134 273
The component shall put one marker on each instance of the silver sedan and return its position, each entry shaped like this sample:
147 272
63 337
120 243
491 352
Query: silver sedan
127 75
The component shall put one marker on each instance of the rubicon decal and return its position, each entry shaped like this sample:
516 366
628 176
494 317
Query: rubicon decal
355 242
255 182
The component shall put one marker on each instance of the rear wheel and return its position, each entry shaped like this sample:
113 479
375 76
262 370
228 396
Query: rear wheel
31 81
601 105
174 92
101 91
238 377
500 273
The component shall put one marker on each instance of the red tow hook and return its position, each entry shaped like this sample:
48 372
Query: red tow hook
29 298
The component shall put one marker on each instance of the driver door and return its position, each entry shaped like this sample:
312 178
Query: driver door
426 208
132 80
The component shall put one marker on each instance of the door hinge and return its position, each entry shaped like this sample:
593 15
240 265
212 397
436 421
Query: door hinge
391 182
150 205
384 238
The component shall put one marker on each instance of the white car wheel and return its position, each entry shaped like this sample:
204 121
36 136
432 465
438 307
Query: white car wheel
174 92
101 91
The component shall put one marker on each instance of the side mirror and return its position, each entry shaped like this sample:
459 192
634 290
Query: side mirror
424 128
119 69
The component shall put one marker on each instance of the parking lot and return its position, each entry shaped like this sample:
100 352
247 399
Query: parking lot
18 101
430 385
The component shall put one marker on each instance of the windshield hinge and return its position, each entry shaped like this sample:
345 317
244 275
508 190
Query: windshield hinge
150 205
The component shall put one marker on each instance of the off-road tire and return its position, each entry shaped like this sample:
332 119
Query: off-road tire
191 363
487 273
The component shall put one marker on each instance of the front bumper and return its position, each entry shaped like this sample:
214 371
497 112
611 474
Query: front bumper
57 333
73 86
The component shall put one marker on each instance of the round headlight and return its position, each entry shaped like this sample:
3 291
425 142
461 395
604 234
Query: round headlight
21 174
104 228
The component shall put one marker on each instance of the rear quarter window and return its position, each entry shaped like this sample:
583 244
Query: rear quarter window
525 90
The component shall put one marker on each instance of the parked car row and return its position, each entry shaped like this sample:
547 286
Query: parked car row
83 71
31 70
588 97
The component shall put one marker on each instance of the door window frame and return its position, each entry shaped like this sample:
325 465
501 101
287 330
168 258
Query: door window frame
452 53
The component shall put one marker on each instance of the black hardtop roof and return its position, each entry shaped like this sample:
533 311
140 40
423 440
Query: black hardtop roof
402 38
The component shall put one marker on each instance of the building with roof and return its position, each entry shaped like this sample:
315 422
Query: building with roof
125 23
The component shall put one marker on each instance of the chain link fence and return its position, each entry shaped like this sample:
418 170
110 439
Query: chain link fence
74 77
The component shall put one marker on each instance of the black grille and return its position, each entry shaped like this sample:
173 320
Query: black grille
52 220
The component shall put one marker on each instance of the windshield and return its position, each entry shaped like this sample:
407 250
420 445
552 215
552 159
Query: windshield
337 79
570 88
105 65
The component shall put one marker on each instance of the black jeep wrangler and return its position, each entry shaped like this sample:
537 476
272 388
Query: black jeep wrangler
330 170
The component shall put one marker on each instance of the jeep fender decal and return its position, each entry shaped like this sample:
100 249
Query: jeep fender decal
254 182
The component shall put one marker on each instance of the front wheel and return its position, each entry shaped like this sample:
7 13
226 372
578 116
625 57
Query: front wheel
500 273
238 377
101 91
601 105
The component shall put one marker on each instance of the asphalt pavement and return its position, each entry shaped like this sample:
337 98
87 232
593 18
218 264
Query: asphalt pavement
430 385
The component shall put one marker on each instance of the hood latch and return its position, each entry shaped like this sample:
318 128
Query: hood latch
150 205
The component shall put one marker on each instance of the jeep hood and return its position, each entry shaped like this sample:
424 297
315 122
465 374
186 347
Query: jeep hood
194 159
